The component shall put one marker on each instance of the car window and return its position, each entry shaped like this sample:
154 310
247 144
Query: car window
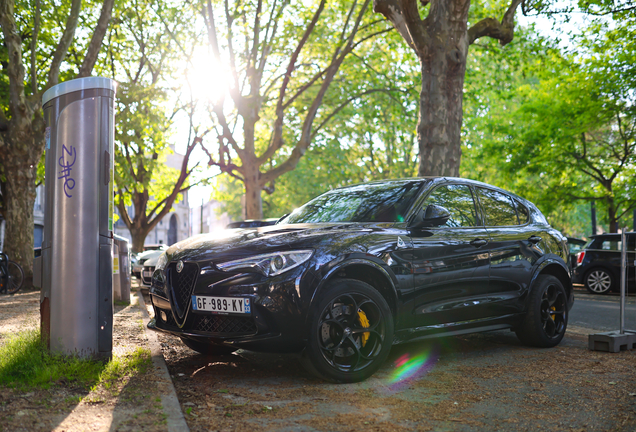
380 202
613 245
616 244
523 213
498 208
458 200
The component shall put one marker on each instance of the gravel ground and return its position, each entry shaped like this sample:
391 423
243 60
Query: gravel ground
480 382
130 404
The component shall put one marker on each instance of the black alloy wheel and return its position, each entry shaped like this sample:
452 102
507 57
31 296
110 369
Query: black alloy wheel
598 281
547 316
205 347
351 332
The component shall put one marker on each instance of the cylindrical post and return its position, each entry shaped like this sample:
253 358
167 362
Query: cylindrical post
623 278
593 215
76 297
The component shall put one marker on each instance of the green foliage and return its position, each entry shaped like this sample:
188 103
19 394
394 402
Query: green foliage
557 127
26 363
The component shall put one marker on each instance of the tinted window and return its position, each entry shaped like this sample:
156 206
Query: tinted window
498 208
458 200
522 211
386 202
614 245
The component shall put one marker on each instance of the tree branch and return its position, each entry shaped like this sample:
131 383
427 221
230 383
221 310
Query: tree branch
504 31
96 40
34 46
276 141
405 17
65 42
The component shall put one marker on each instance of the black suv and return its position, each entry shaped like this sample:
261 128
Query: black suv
599 263
360 268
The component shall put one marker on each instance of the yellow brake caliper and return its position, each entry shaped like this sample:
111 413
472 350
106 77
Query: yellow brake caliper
364 322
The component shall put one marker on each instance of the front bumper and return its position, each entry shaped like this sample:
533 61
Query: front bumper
276 321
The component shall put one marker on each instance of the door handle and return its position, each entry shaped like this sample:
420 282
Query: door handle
534 239
479 242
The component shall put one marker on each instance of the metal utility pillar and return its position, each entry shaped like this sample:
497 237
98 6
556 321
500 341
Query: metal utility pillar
76 270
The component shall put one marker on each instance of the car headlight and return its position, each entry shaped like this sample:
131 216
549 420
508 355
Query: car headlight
161 262
271 264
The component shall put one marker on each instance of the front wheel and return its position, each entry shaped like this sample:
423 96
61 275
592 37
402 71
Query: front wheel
207 348
15 277
547 314
351 332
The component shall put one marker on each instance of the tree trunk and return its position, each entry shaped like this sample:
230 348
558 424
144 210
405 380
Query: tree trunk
138 239
611 216
19 197
253 188
440 119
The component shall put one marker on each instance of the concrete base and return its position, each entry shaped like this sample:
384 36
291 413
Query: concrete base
612 341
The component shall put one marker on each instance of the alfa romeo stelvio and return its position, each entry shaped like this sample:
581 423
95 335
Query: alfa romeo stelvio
363 267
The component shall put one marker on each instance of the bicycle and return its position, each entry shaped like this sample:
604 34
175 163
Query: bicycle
11 275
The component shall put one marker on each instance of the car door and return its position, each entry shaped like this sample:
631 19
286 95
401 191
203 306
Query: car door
450 262
515 245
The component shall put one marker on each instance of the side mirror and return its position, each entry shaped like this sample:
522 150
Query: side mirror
433 216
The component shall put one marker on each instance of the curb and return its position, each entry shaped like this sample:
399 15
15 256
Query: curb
169 402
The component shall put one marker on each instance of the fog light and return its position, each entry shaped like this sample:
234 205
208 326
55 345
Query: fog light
164 317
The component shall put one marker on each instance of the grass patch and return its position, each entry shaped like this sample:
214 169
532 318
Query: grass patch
26 363
119 368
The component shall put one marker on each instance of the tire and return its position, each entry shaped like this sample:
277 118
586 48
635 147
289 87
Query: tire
350 333
599 281
547 315
207 348
16 277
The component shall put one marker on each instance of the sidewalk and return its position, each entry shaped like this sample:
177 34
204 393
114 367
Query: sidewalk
142 402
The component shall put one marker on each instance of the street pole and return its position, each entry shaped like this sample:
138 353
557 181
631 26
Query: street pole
593 211
623 278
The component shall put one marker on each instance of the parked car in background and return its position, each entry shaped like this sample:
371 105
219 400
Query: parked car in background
138 260
599 263
360 268
575 245
252 223
149 268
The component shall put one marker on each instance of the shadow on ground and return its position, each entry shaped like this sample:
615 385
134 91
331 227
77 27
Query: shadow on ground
485 381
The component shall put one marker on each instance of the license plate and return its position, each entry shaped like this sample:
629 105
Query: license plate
147 273
222 304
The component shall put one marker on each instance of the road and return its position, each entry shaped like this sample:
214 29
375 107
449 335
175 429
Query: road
601 312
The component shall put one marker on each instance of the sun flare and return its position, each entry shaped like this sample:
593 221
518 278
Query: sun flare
208 79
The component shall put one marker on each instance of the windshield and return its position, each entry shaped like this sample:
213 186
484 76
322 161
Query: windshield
380 202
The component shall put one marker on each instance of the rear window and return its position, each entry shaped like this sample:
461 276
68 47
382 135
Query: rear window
611 244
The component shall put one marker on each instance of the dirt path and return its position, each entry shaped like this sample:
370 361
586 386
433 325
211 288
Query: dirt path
130 404
479 382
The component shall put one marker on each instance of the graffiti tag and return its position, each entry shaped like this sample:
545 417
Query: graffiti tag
66 164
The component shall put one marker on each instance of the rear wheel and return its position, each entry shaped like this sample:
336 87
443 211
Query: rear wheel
599 281
207 348
16 277
547 317
351 332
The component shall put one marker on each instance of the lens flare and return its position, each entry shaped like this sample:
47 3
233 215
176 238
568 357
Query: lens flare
410 367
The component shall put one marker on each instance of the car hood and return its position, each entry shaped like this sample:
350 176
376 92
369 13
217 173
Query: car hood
238 243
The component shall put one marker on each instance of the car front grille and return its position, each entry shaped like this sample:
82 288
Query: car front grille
225 325
182 284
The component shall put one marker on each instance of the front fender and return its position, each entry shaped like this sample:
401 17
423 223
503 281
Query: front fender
388 281
554 265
